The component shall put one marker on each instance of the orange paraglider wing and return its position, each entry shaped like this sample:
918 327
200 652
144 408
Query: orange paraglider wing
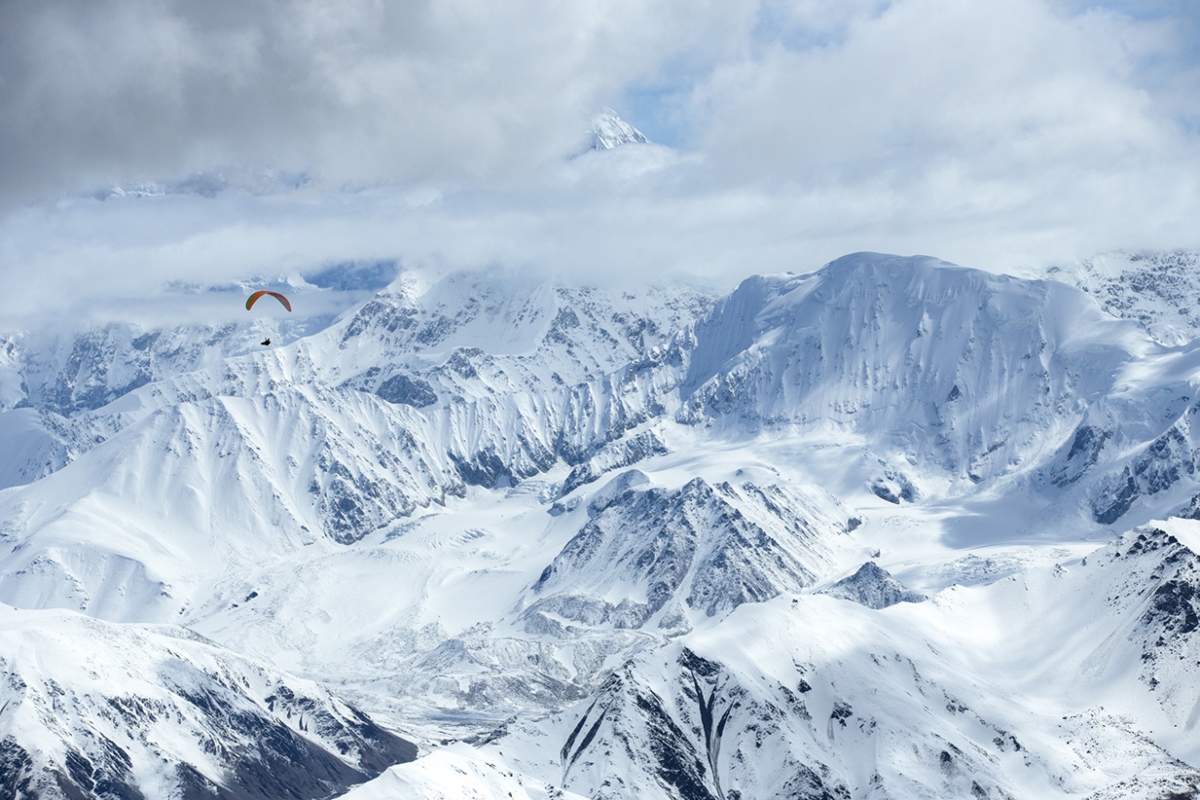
252 299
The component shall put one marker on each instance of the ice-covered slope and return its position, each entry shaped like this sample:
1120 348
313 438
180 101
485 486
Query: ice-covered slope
927 361
321 439
200 488
950 374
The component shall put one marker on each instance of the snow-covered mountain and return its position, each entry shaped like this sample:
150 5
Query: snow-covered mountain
92 709
879 530
1160 290
610 131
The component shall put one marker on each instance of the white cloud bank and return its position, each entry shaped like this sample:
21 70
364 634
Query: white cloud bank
993 134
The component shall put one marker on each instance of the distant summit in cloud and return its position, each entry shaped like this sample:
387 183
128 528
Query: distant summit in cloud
610 131
210 183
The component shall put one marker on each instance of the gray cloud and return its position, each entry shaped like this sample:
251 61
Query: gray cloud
357 90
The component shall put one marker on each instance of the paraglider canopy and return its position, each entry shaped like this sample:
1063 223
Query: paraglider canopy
252 299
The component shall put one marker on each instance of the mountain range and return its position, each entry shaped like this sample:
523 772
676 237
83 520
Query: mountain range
892 528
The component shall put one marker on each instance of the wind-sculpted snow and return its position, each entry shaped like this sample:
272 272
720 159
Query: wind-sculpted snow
91 709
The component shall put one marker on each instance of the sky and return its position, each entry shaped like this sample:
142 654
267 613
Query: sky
447 134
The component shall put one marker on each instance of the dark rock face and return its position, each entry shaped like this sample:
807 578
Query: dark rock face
1083 454
894 487
95 371
1174 610
1157 290
351 505
1191 510
16 770
384 317
403 390
1166 461
672 755
1112 504
1160 589
873 587
1175 607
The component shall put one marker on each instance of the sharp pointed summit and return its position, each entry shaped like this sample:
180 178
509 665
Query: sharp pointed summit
609 131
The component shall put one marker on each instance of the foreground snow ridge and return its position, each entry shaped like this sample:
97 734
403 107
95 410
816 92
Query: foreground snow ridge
889 529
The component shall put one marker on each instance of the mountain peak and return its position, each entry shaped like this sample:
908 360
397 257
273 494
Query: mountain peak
609 131
873 587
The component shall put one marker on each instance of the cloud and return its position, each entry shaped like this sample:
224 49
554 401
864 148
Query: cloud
1003 89
997 136
989 118
355 90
